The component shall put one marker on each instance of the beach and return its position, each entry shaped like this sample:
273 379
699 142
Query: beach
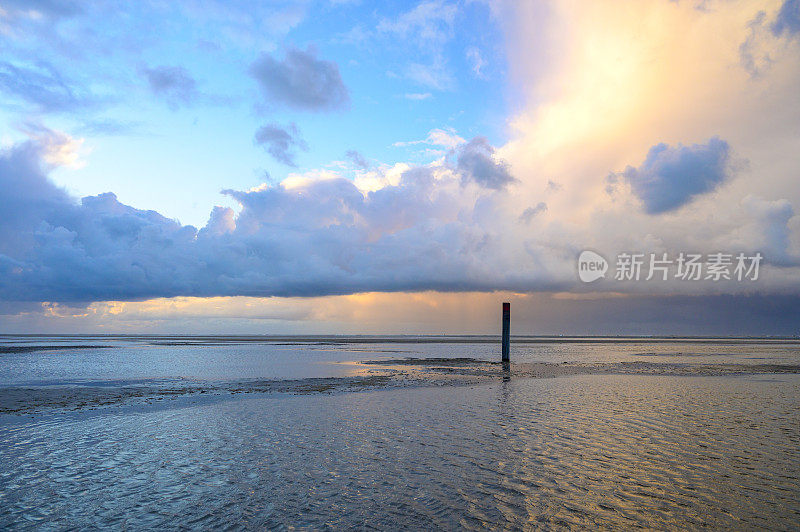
332 433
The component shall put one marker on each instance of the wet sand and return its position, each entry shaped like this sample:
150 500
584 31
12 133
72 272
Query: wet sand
321 433
14 349
587 452
364 375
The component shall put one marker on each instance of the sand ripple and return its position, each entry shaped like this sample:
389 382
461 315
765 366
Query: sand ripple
588 451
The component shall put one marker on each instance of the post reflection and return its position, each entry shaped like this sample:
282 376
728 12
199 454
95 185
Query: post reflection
506 371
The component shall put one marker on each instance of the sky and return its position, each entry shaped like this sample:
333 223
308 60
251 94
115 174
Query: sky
298 167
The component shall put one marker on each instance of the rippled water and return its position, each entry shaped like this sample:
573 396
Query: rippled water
584 450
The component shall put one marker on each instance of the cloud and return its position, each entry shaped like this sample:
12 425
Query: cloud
53 248
427 25
314 236
753 52
476 61
57 148
36 9
788 18
477 164
417 313
42 86
281 143
475 161
109 127
357 159
319 234
624 81
446 138
434 74
529 213
173 83
417 96
426 28
26 196
221 221
301 81
65 56
671 176
767 223
616 79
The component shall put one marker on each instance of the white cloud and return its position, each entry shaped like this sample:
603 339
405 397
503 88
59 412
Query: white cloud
476 61
427 24
305 179
443 137
417 95
634 76
427 28
58 148
434 75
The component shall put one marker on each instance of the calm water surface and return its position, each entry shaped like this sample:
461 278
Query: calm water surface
580 451
214 359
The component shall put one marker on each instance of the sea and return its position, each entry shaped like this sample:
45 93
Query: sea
399 432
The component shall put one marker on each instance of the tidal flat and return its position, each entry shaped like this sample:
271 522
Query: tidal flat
143 432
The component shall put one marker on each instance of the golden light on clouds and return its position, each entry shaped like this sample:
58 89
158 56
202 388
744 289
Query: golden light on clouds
645 126
368 313
629 75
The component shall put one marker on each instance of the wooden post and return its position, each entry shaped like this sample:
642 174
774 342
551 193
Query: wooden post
506 332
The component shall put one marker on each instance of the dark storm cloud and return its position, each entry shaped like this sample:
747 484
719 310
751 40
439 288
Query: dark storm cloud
326 237
670 176
26 197
476 163
173 83
281 143
788 19
313 237
690 315
52 247
301 81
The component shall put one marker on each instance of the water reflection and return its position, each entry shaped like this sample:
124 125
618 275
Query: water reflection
228 359
589 451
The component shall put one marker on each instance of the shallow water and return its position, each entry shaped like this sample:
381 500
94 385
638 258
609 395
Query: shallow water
663 452
179 359
608 450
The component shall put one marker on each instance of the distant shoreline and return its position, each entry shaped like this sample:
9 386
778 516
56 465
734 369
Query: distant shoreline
411 339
